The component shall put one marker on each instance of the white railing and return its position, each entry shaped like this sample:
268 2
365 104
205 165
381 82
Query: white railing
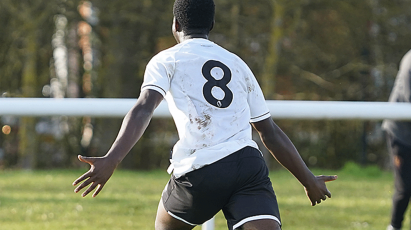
279 109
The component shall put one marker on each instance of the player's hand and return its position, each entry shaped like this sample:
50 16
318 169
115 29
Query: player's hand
100 171
318 191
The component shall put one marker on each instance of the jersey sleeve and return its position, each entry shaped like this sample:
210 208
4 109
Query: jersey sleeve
256 101
157 76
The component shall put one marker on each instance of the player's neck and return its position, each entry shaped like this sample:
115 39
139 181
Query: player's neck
192 36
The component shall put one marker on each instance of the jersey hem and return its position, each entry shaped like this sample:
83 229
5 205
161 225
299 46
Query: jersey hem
179 169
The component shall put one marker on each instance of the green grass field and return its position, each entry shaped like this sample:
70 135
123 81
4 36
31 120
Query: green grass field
45 200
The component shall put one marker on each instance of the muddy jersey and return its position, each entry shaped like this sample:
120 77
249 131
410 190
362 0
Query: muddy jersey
212 95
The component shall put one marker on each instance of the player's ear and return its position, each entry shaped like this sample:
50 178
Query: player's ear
177 25
212 25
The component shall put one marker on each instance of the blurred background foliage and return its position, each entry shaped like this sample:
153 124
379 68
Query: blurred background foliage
299 50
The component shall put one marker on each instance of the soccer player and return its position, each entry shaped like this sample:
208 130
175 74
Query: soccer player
398 135
213 96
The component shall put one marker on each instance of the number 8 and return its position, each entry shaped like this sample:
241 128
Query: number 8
221 83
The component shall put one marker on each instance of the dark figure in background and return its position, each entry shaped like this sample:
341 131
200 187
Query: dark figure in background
399 144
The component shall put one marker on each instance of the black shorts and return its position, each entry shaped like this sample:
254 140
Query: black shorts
237 184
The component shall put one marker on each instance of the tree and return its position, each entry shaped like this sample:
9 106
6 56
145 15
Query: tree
26 19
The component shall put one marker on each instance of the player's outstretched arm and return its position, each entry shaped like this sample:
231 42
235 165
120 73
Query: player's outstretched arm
133 126
284 151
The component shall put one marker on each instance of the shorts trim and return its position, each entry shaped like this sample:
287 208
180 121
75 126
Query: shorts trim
260 217
181 219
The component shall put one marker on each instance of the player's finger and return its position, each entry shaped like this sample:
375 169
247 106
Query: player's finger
328 193
89 160
84 184
328 178
313 202
99 188
81 178
91 188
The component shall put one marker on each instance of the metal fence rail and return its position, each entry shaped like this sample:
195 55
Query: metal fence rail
279 109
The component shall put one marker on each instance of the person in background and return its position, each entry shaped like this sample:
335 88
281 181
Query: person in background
398 135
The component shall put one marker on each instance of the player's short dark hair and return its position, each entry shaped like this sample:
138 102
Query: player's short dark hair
194 15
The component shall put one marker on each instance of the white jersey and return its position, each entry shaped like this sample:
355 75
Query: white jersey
212 95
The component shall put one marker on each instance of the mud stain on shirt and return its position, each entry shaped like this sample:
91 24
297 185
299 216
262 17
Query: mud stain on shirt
202 122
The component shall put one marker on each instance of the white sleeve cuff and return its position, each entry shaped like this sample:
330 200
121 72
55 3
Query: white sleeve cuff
260 118
155 88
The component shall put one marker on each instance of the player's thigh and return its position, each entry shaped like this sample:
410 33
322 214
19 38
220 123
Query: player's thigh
263 224
165 221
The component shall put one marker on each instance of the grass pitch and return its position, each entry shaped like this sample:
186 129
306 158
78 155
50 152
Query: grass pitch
361 199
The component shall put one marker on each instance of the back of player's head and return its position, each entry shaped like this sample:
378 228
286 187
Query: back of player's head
194 15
